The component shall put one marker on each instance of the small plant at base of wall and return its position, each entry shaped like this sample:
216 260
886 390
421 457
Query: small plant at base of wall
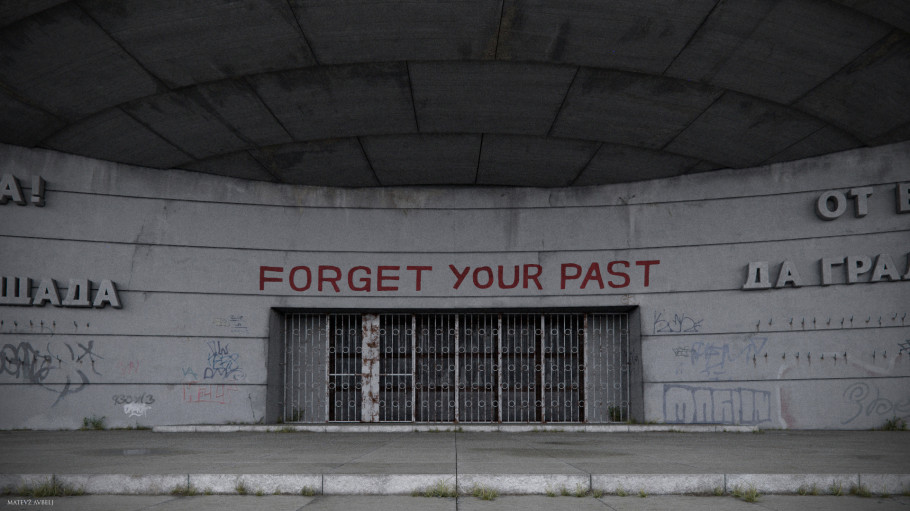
894 424
92 423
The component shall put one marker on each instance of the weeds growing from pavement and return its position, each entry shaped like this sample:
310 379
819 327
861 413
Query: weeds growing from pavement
860 491
439 489
184 490
484 493
49 488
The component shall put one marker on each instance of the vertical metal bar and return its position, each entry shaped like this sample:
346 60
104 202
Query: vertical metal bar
626 347
328 391
413 378
543 370
499 371
585 376
457 394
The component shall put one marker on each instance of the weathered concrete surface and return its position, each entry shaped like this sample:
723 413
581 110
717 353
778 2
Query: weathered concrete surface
142 462
169 85
188 253
502 502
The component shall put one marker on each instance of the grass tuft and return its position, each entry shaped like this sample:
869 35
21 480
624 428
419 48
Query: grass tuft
241 488
308 491
894 424
440 489
564 491
718 491
184 490
597 493
808 490
484 493
642 494
620 492
49 488
92 423
551 492
580 491
751 495
860 491
836 489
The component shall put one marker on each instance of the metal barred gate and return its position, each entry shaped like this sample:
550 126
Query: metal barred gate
447 367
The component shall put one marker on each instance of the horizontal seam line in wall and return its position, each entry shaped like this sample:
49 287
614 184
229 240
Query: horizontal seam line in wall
667 337
364 294
507 251
456 208
163 336
685 382
643 337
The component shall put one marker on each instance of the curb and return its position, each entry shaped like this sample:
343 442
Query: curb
508 484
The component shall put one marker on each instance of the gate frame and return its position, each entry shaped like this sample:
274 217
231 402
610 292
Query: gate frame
275 376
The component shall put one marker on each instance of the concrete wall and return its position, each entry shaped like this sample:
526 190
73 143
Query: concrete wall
190 343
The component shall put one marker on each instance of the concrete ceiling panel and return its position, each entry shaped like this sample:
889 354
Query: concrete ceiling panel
621 164
826 140
777 50
320 163
532 161
894 12
238 107
240 165
629 35
629 108
353 31
898 134
180 119
11 11
115 136
478 97
24 125
184 42
742 131
65 63
424 159
870 97
340 101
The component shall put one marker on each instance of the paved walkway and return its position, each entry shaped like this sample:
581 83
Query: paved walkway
500 503
338 464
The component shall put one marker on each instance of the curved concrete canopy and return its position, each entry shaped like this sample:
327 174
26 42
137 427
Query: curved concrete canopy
454 92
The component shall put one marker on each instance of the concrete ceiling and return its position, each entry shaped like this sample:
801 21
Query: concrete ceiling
454 92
